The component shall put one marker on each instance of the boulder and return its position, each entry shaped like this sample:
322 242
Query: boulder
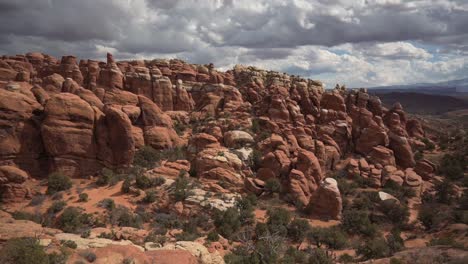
326 201
68 135
115 138
425 168
12 188
300 188
237 138
381 155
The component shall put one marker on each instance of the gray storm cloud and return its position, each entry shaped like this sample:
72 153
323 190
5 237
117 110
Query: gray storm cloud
332 40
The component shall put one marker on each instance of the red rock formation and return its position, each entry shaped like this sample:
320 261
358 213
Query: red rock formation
326 201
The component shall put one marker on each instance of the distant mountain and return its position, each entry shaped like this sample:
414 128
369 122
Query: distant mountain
446 88
423 103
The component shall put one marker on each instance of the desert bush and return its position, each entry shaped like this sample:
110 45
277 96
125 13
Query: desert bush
212 236
56 207
23 215
122 216
181 188
37 200
394 241
246 207
150 197
272 185
452 166
418 155
298 229
73 220
395 212
83 197
429 144
278 220
155 237
357 222
346 187
346 258
126 186
402 193
69 243
445 192
146 157
58 182
168 221
374 248
294 256
256 159
89 256
107 204
320 256
445 241
333 237
143 182
227 222
128 261
23 251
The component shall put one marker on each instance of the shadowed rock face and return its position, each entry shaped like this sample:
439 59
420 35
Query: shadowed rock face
77 117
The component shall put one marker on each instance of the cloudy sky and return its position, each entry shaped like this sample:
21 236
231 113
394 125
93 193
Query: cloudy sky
360 43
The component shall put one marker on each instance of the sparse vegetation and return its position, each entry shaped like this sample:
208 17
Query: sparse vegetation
27 251
58 182
83 197
73 220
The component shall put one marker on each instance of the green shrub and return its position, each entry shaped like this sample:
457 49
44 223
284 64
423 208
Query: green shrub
294 256
23 251
150 197
181 188
429 144
395 242
374 248
278 217
418 155
70 244
395 212
56 207
83 197
452 166
122 216
445 241
58 182
146 157
333 237
126 186
256 159
227 222
107 203
23 215
246 209
402 193
37 200
179 128
346 258
298 229
128 261
212 236
445 192
272 185
72 220
320 256
346 187
89 256
357 222
143 182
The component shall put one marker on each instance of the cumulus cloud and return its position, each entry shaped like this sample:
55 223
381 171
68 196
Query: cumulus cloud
361 43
